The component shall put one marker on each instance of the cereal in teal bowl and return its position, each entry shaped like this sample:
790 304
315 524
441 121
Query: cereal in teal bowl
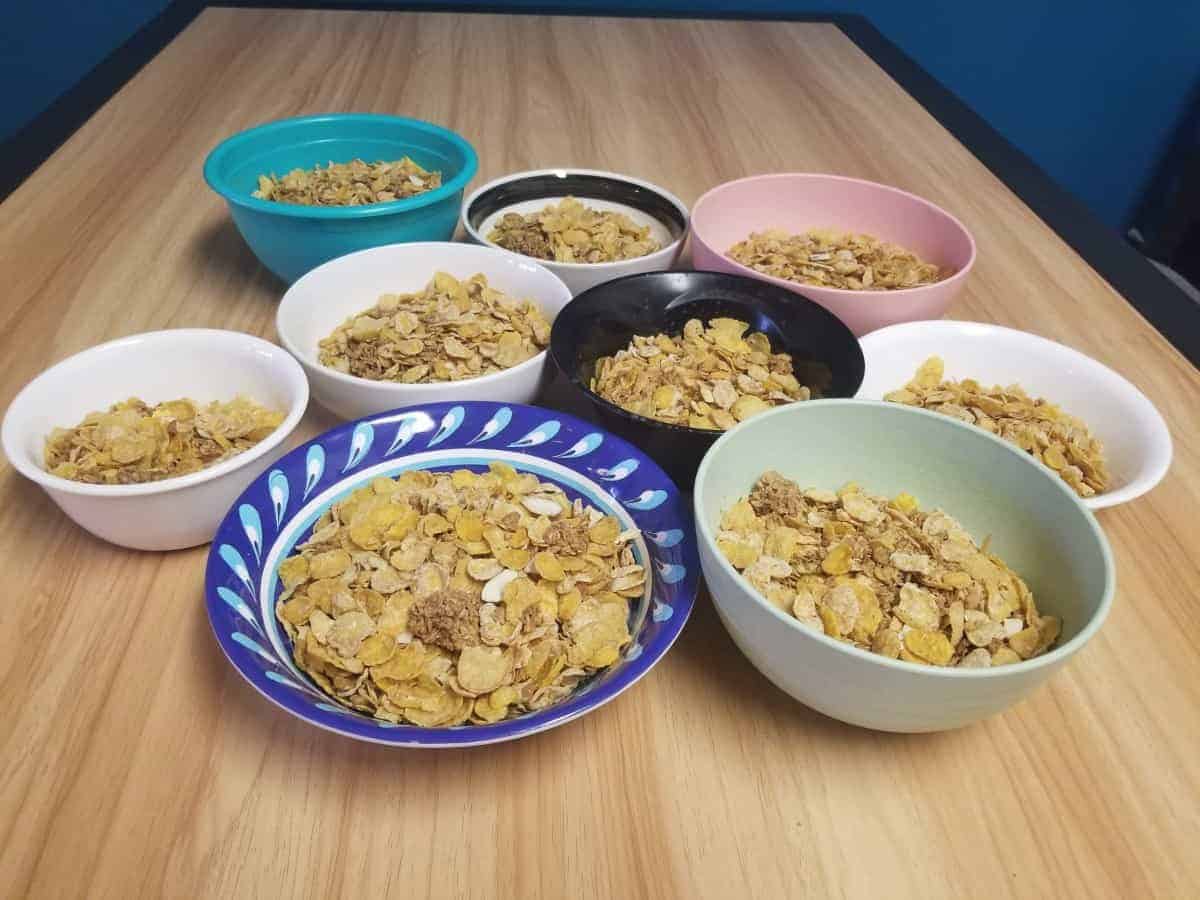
304 191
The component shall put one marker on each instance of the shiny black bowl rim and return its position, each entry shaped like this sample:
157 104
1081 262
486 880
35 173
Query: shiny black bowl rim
782 295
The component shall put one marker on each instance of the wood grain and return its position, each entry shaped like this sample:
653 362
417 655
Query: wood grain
135 762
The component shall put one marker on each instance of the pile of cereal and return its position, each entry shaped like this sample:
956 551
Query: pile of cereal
450 331
355 183
712 377
855 262
571 232
1037 426
134 442
440 598
883 575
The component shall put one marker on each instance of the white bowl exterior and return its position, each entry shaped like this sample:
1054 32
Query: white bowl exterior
187 517
201 364
976 478
1136 440
325 297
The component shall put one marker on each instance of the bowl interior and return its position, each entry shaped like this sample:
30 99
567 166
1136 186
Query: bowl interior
279 147
325 297
1033 520
796 203
531 193
281 507
200 364
1118 413
602 320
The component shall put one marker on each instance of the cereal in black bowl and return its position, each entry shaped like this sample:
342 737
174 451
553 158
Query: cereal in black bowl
670 359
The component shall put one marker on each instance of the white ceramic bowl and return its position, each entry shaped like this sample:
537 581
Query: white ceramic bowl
1137 443
198 363
325 297
1035 523
526 192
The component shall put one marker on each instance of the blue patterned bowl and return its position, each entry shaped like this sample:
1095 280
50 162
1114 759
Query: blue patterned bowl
278 510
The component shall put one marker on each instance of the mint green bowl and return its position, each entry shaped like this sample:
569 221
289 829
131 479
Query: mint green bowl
1035 521
290 239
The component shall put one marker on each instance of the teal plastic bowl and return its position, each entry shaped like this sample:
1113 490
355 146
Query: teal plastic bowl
290 239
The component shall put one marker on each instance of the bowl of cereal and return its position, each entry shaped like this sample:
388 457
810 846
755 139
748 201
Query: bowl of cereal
306 190
585 226
669 360
145 441
452 574
895 568
872 254
1069 412
418 323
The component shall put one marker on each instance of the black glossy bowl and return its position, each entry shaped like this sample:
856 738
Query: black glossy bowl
600 321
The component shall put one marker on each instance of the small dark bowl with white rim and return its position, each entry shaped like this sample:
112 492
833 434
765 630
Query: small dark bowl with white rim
528 192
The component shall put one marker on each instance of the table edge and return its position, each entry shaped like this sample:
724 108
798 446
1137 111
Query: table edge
1163 304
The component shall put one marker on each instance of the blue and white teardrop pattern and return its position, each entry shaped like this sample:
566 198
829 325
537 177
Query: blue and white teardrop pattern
413 423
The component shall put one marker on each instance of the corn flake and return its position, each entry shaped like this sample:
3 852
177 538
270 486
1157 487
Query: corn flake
712 376
571 232
134 442
827 258
1037 426
410 602
450 331
883 575
355 183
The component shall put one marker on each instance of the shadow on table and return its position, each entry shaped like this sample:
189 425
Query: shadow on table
219 254
709 654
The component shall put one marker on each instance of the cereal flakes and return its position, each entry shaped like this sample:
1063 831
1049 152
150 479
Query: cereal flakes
441 598
827 258
571 232
355 183
713 376
883 575
134 442
450 331
1037 426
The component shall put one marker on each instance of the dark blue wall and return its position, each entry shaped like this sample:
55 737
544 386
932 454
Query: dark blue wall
48 45
1091 90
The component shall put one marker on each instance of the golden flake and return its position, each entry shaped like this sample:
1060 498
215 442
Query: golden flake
1037 426
883 574
355 183
450 331
571 232
412 602
827 258
133 442
712 376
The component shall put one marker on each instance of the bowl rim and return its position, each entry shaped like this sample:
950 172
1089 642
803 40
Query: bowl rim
291 372
218 183
797 286
611 265
707 541
401 388
669 427
509 729
1153 466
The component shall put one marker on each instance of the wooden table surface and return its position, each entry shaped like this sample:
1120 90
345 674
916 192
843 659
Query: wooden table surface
135 761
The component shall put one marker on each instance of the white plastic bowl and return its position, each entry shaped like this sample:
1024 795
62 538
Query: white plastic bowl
527 192
325 297
1136 440
198 363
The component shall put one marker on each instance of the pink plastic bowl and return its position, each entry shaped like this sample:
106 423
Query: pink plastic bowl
799 201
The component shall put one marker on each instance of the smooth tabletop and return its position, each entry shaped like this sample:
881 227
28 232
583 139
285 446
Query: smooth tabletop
135 761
